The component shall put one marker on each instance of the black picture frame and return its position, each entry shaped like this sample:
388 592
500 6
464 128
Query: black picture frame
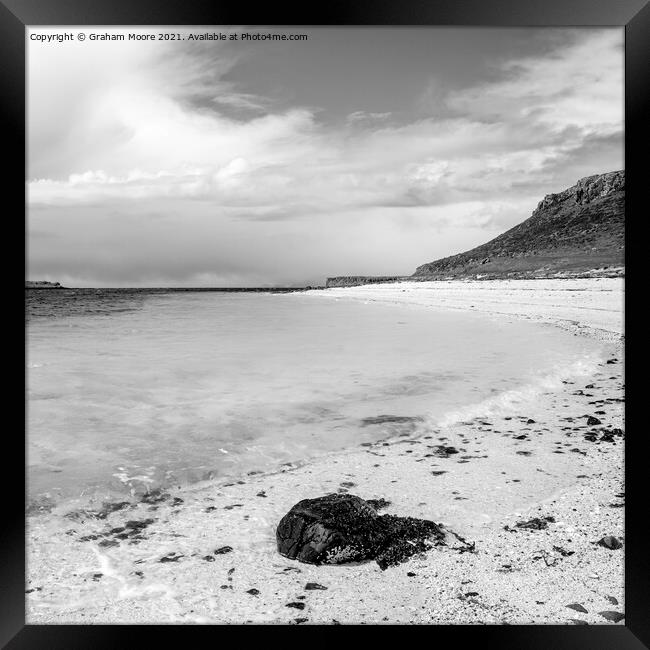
633 15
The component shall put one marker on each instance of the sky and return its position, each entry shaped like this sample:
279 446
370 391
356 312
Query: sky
358 151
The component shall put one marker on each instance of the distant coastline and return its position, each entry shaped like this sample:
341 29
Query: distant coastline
357 280
42 284
56 285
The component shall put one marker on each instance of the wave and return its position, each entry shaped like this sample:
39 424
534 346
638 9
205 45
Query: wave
510 400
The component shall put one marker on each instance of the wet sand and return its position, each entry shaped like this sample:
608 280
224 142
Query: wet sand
206 553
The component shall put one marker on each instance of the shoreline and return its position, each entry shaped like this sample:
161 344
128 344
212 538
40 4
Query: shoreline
588 306
127 563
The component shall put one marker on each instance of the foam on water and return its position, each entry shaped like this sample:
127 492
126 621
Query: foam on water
516 398
126 392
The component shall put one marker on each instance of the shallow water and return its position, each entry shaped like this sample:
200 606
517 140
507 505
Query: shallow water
127 390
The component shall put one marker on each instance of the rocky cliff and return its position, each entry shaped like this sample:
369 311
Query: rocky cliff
574 231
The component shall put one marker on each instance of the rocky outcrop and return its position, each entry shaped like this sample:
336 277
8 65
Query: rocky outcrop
576 230
586 190
339 528
357 280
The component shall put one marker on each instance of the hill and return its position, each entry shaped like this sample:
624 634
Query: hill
572 232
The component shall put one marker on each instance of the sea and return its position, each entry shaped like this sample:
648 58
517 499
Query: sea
129 390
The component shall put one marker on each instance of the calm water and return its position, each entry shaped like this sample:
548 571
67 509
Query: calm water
127 390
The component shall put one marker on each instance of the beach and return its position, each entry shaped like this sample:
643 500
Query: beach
206 552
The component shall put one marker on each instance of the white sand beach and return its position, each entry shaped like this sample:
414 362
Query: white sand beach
594 304
206 553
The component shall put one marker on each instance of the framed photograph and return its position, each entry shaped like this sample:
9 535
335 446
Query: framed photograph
325 319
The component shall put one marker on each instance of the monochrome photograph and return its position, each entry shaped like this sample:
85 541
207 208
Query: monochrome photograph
325 325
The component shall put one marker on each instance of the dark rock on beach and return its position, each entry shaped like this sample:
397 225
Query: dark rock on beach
341 528
563 552
578 607
610 542
296 605
170 557
615 617
135 525
443 451
536 523
222 550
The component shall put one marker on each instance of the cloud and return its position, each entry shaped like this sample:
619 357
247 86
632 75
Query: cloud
578 86
359 117
239 101
158 164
